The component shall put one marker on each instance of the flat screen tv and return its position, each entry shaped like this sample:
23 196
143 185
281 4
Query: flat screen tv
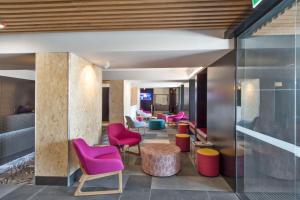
146 96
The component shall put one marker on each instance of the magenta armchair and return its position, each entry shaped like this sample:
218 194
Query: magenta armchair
119 136
97 162
178 117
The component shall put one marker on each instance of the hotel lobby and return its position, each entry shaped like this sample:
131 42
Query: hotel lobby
158 100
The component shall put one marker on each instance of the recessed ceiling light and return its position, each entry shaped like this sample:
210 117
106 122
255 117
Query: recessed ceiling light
2 25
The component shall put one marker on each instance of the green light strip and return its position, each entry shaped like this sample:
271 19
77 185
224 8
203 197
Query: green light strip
256 3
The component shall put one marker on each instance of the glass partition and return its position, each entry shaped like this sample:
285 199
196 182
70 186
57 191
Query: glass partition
266 114
297 73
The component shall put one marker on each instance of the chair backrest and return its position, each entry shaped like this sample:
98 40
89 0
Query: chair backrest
180 114
139 112
115 130
129 122
82 151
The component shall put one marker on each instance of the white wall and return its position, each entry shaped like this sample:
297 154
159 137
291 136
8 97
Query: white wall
21 74
130 109
127 97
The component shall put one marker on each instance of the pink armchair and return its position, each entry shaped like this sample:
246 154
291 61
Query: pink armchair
119 136
97 162
176 118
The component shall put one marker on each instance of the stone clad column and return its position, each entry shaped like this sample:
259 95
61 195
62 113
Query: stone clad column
68 105
51 133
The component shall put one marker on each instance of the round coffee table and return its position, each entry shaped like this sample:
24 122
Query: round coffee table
160 159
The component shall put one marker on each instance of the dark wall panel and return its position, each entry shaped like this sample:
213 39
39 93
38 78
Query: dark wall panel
105 104
192 100
182 98
15 96
202 99
221 112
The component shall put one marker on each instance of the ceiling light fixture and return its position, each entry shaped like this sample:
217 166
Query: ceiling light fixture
107 65
2 25
196 71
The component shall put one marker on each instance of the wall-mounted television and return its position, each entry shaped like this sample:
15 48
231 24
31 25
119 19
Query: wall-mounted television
146 96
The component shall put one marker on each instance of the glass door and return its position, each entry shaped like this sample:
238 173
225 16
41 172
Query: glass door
266 112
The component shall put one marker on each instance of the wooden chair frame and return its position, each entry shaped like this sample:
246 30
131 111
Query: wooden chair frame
85 177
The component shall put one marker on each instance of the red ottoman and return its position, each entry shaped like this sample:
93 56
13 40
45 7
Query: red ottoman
183 128
161 116
228 162
208 162
183 142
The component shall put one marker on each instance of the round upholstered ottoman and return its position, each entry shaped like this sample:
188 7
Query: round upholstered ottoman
183 142
156 124
183 128
208 162
232 161
160 159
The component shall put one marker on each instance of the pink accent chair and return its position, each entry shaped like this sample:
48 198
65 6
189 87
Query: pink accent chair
119 136
178 117
97 162
161 116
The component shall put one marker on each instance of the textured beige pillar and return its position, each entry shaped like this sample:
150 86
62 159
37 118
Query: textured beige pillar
85 104
51 134
68 105
116 104
134 96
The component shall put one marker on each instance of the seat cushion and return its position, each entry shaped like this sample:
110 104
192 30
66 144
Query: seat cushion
114 155
129 141
139 124
108 163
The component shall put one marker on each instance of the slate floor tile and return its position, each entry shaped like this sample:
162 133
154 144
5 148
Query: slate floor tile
135 195
5 189
55 193
67 193
178 195
24 192
222 196
180 183
138 183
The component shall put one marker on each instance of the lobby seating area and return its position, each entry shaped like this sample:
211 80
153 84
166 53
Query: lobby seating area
138 180
149 100
171 118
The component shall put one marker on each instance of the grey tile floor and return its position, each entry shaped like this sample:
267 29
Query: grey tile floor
186 185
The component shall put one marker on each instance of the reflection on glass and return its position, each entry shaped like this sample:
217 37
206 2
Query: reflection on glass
266 105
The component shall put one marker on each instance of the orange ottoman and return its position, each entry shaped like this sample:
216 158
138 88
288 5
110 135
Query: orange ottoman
208 162
183 128
183 142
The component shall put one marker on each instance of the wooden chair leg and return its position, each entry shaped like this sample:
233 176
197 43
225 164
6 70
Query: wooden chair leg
139 149
81 179
85 178
78 191
120 182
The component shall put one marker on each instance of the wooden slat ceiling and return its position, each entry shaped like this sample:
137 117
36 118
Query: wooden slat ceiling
107 15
